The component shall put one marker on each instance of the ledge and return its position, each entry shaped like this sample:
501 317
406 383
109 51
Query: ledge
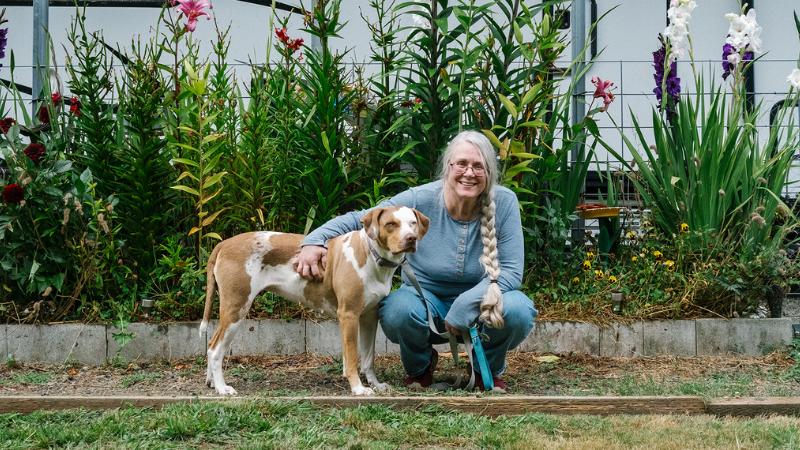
94 343
491 406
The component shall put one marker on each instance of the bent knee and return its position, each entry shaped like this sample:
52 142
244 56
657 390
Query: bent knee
518 310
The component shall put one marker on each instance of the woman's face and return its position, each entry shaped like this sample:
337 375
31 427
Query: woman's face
466 185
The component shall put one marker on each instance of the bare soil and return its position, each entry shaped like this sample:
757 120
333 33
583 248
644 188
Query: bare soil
310 374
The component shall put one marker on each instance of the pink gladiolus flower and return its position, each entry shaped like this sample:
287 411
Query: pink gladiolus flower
603 91
193 10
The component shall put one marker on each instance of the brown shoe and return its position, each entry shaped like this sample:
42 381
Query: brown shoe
425 380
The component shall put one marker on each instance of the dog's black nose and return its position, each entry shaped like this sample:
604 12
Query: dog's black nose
410 239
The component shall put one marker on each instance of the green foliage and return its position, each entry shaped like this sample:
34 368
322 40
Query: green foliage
142 187
91 73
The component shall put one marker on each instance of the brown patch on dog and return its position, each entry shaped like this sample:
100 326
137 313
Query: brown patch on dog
284 247
360 250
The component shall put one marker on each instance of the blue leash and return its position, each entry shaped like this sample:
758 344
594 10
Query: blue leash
473 343
486 374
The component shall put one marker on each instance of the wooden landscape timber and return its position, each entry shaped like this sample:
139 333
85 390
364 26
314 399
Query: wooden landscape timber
492 406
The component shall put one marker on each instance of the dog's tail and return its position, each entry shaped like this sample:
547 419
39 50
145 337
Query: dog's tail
211 284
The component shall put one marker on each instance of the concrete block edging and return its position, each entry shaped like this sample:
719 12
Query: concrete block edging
93 343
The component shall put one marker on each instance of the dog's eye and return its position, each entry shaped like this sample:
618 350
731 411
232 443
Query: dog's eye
414 223
391 224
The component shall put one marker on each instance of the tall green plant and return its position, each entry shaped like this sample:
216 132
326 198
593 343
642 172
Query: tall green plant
91 80
143 185
203 180
331 168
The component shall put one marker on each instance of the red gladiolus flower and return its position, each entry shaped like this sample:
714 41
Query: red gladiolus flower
603 91
418 101
13 194
75 106
57 99
35 152
44 114
6 123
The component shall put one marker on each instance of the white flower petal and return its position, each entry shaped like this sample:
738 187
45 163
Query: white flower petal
794 78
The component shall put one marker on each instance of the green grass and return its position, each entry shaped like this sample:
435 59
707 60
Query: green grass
130 380
266 424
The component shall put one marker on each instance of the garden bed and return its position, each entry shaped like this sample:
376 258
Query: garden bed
316 375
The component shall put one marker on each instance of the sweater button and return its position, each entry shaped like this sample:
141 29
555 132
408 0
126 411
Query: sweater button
458 273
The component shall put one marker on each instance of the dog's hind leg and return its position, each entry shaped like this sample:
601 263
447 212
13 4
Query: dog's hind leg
217 348
368 326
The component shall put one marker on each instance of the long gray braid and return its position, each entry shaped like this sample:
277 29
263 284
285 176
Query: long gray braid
492 304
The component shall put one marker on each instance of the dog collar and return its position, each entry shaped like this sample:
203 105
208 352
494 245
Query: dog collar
378 259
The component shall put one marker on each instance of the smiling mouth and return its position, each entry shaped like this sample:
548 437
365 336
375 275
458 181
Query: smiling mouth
467 184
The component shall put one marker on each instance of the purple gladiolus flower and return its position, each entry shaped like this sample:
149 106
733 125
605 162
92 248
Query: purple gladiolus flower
3 43
731 58
673 83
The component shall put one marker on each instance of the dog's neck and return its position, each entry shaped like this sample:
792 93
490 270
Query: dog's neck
383 257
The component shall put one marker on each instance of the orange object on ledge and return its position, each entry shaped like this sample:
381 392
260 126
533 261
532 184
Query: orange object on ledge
599 212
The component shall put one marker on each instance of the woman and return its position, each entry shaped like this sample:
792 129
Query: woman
469 263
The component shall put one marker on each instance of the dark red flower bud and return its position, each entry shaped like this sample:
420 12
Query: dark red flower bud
75 106
6 123
35 152
13 194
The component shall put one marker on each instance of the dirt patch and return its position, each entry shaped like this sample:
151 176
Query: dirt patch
309 374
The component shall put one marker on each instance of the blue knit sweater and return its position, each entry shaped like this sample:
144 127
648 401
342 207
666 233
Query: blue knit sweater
447 261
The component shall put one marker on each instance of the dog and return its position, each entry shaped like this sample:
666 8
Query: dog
353 283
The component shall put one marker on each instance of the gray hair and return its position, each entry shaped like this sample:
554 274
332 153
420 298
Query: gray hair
488 158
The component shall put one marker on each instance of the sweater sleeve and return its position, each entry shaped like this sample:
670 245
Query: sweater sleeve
352 220
510 254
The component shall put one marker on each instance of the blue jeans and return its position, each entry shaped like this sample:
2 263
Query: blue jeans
404 320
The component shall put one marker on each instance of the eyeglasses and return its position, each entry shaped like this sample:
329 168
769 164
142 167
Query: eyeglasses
461 167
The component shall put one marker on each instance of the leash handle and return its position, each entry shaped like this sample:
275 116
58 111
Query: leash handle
486 374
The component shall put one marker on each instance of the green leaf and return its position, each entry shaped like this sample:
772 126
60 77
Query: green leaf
213 235
186 189
86 176
188 162
34 268
62 166
508 104
214 179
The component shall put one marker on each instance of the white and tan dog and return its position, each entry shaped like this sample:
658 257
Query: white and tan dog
353 284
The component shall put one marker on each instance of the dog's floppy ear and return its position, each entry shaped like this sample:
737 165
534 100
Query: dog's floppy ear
422 224
371 222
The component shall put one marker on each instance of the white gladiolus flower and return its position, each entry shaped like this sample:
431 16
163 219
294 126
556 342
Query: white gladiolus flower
677 32
744 32
734 58
794 78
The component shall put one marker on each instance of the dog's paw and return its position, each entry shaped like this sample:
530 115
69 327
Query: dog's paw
361 390
226 390
210 383
382 387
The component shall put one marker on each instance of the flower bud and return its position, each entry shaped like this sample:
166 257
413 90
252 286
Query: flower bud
721 193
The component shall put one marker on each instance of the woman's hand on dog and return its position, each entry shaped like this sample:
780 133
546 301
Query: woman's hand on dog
309 260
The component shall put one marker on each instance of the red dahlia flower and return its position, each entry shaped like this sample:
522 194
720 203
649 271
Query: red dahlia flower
6 123
35 152
13 194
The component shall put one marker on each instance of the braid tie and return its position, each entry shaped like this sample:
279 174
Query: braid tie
492 303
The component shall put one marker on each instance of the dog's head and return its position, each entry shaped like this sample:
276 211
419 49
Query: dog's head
396 228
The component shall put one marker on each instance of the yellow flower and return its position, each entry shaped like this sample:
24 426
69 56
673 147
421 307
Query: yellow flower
590 256
612 279
645 250
576 281
658 255
598 274
634 259
631 235
670 265
587 265
684 228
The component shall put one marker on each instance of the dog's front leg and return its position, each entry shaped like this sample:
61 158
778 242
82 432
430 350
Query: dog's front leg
349 325
368 326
